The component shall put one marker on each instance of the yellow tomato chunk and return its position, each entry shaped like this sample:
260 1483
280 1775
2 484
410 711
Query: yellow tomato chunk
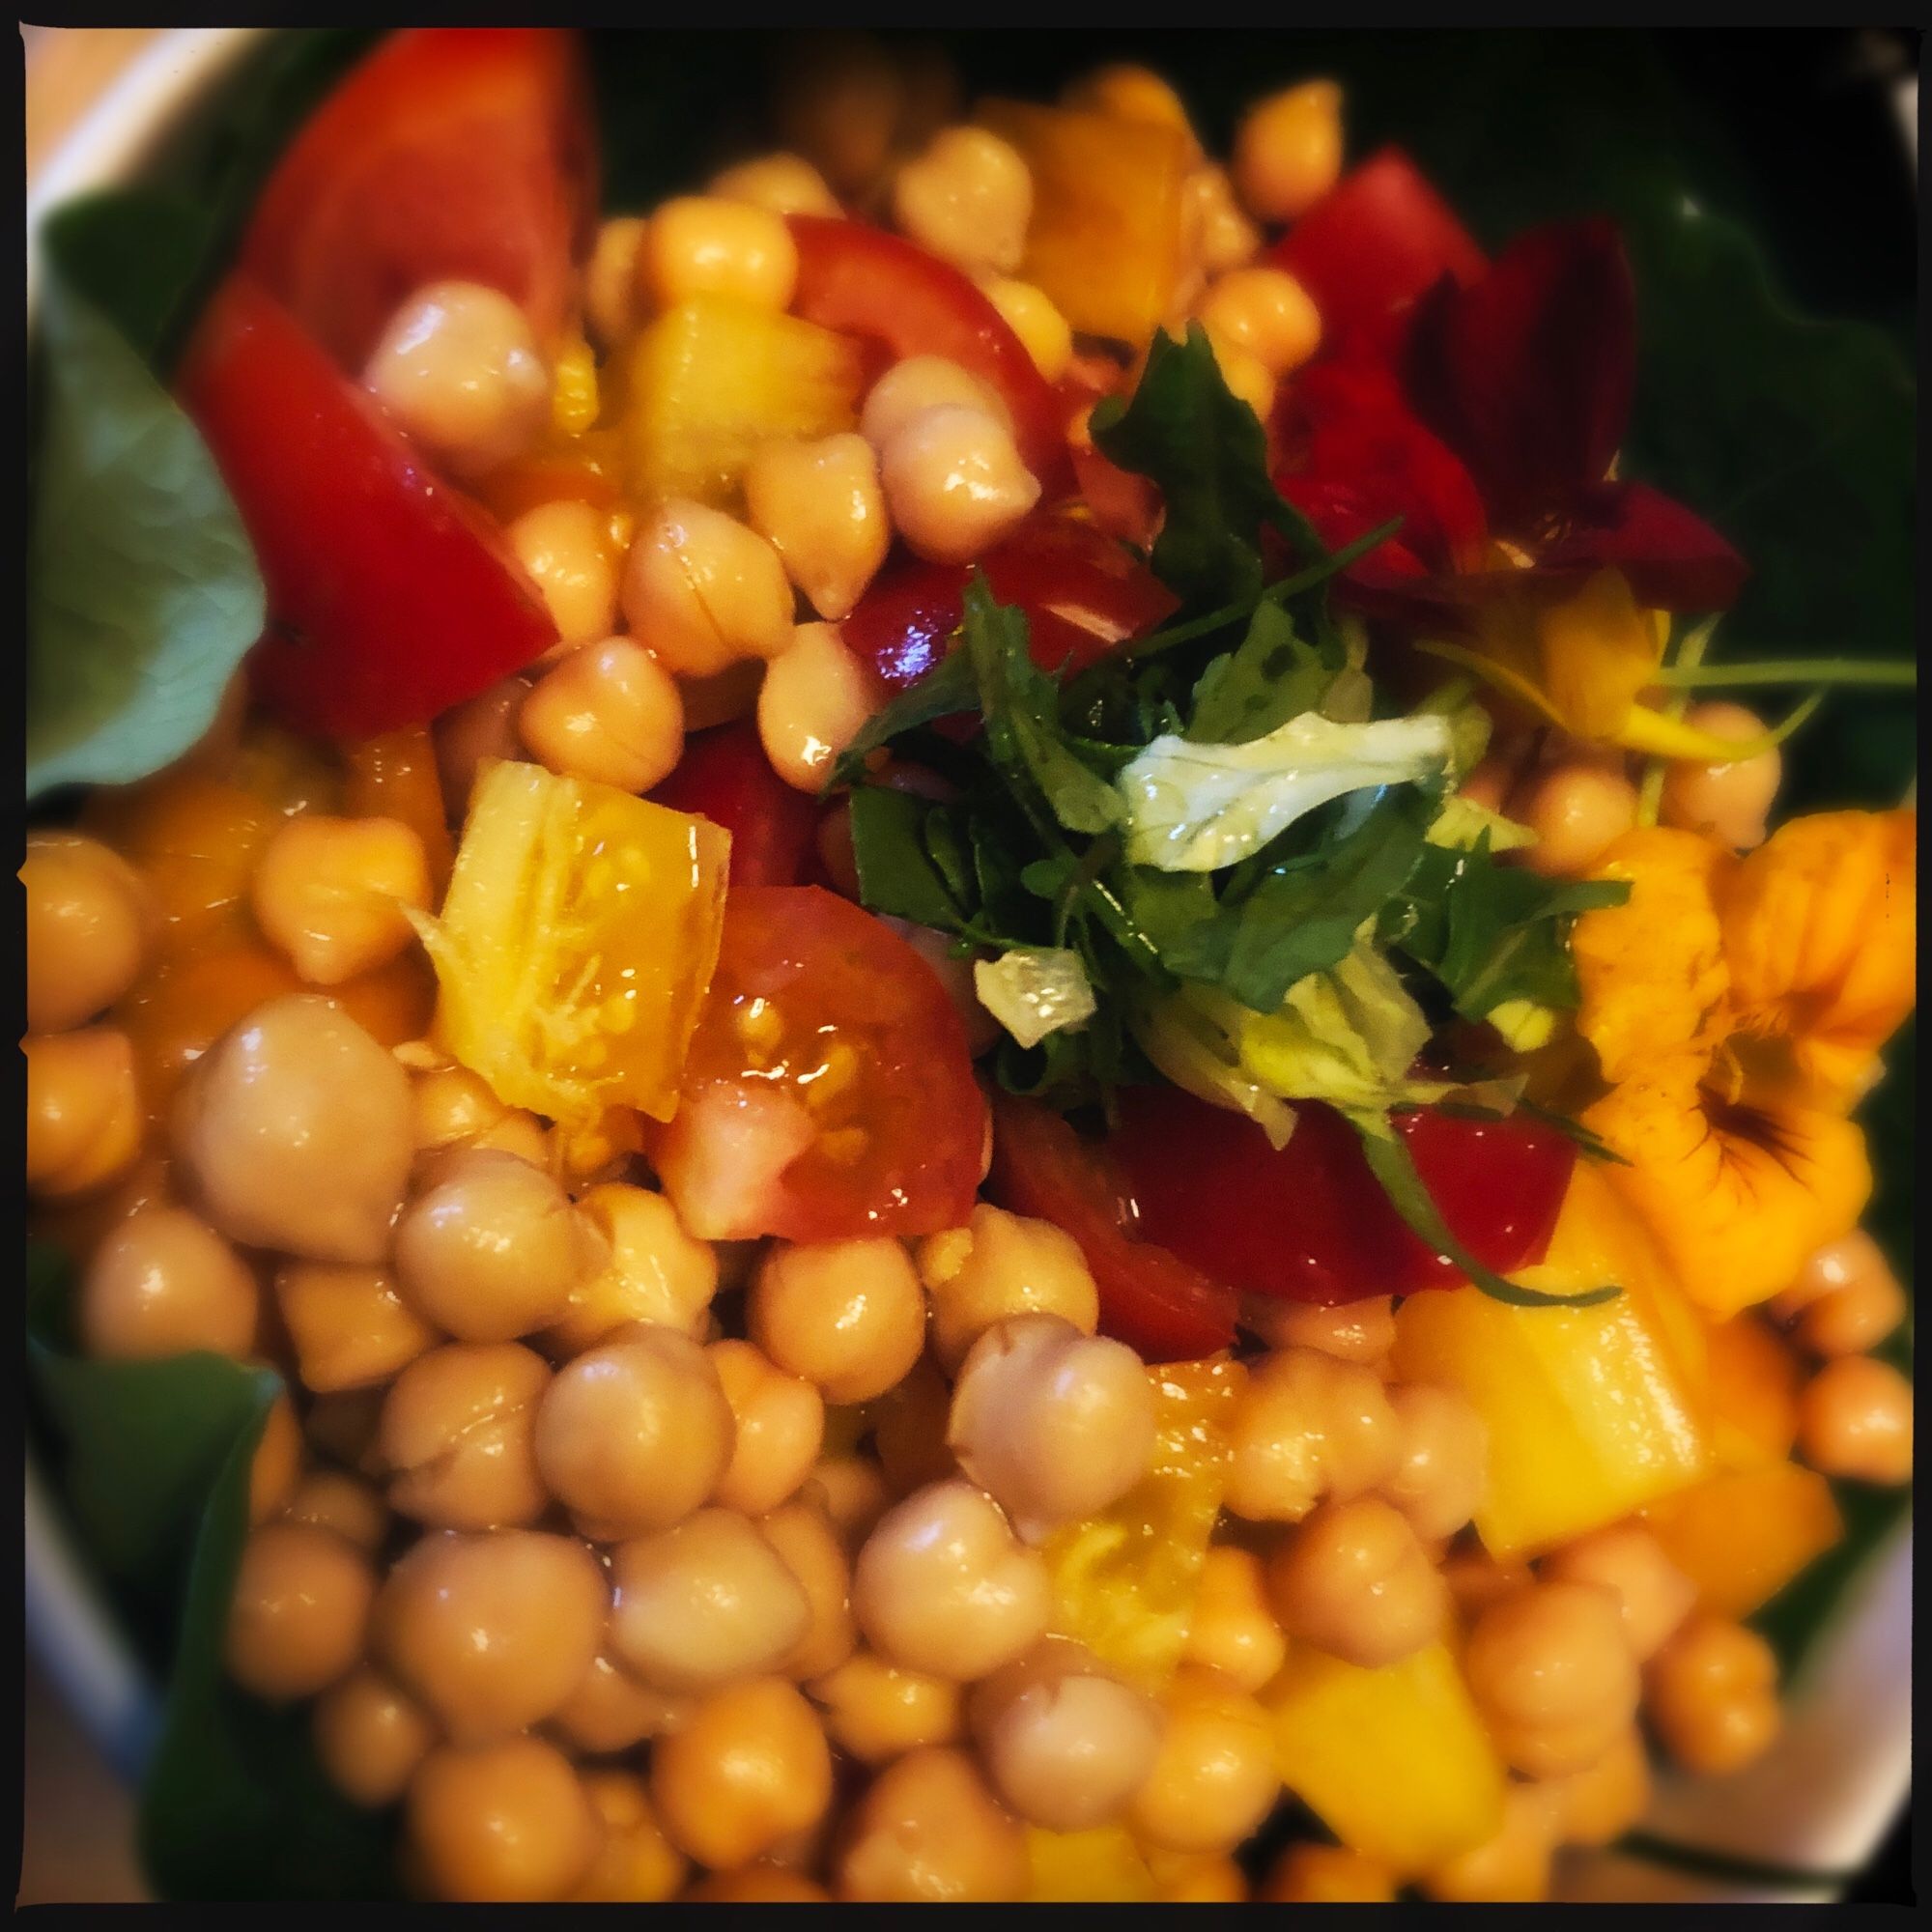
1100 1867
576 944
1744 1534
1394 1761
1591 1412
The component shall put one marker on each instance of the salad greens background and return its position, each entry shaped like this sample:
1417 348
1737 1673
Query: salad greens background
1796 438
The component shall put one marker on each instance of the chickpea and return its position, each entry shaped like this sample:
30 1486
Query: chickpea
611 291
344 1427
609 712
853 1493
703 246
909 1425
1223 237
842 104
300 1606
1288 149
333 892
917 385
370 1738
635 1434
1552 1673
349 1325
1354 1332
610 1709
87 925
468 736
296 1132
493 1250
83 1110
704 1603
1444 1451
1847 1299
1065 1744
491 1633
814 702
328 1499
819 506
636 1863
874 1710
1476 1579
779 1425
783 184
452 1107
1126 92
1855 1420
750 1770
956 484
1208 1878
1054 1425
1732 801
504 1822
1653 1595
1711 1694
704 592
1599 1804
1355 1581
1513 1867
942 1586
1029 311
1214 1777
756 1885
277 1462
1267 312
165 1283
927 1831
1576 810
1233 1629
656 1272
460 371
458 1429
1311 1874
1309 1426
1248 377
1002 1265
564 548
968 199
809 1540
847 1315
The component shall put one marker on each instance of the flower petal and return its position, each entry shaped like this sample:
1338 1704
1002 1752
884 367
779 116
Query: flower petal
1674 560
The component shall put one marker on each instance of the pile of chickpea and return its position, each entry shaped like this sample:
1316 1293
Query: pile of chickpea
635 1568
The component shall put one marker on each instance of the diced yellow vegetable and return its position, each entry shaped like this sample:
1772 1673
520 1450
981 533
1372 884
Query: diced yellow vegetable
705 383
1741 1536
1394 1761
1591 1412
1101 1866
1106 240
573 395
1752 1396
1125 1582
576 943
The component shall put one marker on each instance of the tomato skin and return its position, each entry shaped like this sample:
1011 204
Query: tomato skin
1309 1222
724 776
1376 243
1150 1299
462 154
390 595
863 281
805 977
1082 592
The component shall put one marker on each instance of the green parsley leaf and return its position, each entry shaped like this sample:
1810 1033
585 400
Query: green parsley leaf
1272 675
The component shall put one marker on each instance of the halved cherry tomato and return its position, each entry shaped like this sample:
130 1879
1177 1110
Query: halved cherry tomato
390 595
1149 1297
1308 1222
1374 244
1082 591
463 153
863 281
827 1093
724 776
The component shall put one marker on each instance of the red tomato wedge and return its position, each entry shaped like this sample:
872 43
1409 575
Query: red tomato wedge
829 1093
1150 1299
863 281
1308 1222
724 776
1374 244
390 595
1083 593
461 153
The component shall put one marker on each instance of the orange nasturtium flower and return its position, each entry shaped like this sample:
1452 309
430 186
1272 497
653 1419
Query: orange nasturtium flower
1737 1008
